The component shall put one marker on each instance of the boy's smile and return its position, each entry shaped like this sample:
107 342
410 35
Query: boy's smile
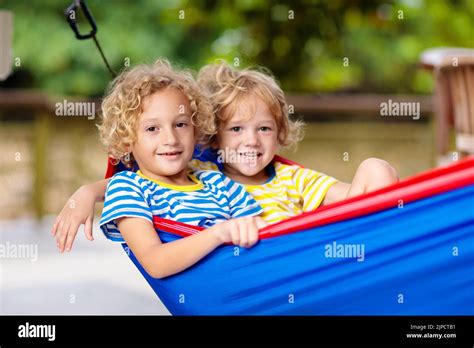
165 137
170 155
249 139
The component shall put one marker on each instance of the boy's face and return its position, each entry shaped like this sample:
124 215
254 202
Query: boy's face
165 136
249 140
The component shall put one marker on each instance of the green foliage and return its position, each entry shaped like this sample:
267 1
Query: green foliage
381 40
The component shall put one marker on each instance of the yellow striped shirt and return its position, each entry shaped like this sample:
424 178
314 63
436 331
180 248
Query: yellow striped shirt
291 191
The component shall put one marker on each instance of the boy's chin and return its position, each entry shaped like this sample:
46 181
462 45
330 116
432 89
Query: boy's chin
169 170
249 170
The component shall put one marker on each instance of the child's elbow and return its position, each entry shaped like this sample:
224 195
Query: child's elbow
380 170
158 275
155 271
153 264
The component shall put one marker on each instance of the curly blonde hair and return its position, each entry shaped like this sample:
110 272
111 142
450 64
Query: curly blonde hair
123 105
227 87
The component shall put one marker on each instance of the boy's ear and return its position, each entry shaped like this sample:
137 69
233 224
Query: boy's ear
213 143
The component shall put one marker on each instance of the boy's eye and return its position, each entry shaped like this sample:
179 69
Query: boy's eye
236 129
151 129
265 129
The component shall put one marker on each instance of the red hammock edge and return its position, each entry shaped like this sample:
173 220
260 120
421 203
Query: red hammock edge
417 187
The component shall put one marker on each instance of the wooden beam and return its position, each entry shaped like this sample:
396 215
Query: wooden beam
353 103
312 104
21 99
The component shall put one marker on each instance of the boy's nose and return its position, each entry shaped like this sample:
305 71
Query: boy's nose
251 138
170 138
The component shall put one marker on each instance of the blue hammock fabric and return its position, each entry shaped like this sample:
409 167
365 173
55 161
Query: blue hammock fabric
418 260
414 260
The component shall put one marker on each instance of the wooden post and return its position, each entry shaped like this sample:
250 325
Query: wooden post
6 33
40 151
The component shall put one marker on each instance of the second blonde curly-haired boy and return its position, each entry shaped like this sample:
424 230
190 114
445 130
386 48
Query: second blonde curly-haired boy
252 122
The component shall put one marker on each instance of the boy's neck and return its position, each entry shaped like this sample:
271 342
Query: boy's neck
179 179
257 179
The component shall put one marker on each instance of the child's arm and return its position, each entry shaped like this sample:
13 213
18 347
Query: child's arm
78 210
372 174
164 259
336 193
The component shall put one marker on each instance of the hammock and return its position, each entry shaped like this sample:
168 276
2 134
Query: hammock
407 249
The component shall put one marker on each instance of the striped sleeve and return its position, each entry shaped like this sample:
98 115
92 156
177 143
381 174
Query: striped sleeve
241 203
123 198
313 187
197 165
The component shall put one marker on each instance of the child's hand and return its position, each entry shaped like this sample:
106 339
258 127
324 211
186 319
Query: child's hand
241 231
78 210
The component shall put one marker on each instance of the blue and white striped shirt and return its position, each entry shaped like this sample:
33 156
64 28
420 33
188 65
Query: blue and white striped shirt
213 198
